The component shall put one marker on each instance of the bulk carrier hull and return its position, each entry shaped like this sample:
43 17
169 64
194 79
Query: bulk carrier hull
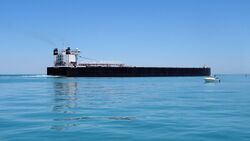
126 71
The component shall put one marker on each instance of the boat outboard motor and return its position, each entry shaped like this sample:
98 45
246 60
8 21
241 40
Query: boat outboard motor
55 52
68 51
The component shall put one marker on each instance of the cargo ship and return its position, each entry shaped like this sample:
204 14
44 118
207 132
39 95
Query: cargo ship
66 64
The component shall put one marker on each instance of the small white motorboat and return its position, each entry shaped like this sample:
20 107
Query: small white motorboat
212 79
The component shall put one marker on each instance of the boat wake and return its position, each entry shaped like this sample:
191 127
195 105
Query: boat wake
39 76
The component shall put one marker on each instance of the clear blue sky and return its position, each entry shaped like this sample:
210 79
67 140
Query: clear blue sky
136 32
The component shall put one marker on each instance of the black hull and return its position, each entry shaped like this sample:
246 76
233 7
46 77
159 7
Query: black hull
126 71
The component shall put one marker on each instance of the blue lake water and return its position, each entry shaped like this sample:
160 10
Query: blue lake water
41 108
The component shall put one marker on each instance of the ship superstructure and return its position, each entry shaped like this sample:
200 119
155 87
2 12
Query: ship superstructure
65 57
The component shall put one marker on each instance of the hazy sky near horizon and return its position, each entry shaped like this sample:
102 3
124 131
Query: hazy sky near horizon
171 33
